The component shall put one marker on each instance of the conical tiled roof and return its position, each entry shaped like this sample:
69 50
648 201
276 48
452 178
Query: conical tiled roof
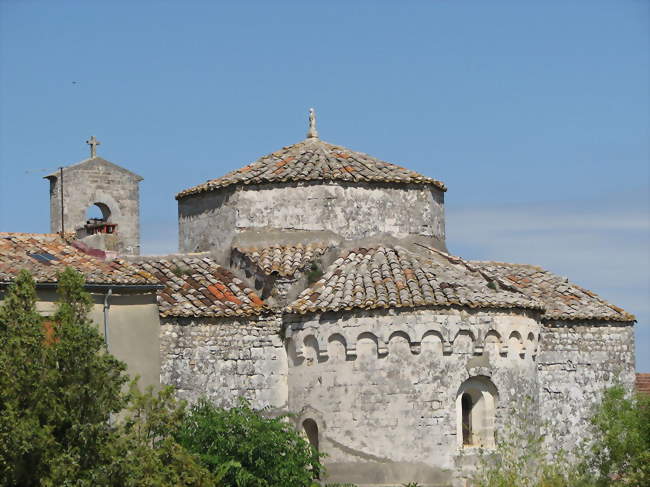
393 277
315 160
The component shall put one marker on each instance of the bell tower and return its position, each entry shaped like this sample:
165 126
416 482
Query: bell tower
99 201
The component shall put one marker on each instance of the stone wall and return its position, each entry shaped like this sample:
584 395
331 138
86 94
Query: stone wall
383 388
211 220
224 359
98 181
576 362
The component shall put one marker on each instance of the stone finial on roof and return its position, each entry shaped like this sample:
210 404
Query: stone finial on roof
312 133
93 143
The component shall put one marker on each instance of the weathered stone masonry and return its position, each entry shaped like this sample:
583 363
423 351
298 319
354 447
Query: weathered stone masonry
577 361
338 302
351 210
98 182
382 387
224 359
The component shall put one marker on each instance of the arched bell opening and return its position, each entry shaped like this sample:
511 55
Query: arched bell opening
99 212
98 220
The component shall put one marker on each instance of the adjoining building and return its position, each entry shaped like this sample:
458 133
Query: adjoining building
317 281
125 307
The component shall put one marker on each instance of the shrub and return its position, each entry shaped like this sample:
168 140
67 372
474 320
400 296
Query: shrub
520 458
620 452
60 392
264 452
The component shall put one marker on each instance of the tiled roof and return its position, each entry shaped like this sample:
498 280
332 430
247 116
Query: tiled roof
315 160
283 260
643 383
562 299
45 255
384 277
199 287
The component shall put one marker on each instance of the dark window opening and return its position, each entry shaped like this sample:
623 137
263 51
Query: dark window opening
466 405
311 431
97 220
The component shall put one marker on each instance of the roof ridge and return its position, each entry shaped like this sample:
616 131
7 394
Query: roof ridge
315 160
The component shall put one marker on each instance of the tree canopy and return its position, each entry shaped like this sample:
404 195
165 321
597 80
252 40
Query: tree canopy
67 417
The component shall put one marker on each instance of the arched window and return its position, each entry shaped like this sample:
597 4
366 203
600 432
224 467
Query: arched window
99 211
476 406
311 432
466 405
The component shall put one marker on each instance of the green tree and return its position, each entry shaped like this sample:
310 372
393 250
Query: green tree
25 403
88 383
62 399
620 452
263 452
144 452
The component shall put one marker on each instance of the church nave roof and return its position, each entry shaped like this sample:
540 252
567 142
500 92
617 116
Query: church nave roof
198 286
393 277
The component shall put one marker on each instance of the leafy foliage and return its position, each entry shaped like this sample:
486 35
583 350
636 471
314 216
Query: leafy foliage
520 457
60 392
66 418
314 273
621 450
619 453
24 402
263 452
143 452
58 387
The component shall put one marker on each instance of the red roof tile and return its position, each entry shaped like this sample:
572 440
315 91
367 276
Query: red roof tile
563 300
45 255
283 260
196 286
643 383
384 277
315 160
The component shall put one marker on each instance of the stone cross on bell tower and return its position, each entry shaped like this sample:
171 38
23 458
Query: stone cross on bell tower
99 201
93 143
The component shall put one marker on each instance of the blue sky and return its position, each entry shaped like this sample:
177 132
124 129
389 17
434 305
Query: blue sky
535 114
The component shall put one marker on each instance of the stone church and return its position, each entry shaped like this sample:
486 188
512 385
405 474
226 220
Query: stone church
317 281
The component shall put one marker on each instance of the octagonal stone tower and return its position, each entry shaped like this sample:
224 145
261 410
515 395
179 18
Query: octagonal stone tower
312 186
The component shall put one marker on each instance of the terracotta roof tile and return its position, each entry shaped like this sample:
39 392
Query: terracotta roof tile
643 383
45 255
283 260
315 160
196 286
562 299
384 277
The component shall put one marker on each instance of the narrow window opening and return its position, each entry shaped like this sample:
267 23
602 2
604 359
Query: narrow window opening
466 405
311 431
476 408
